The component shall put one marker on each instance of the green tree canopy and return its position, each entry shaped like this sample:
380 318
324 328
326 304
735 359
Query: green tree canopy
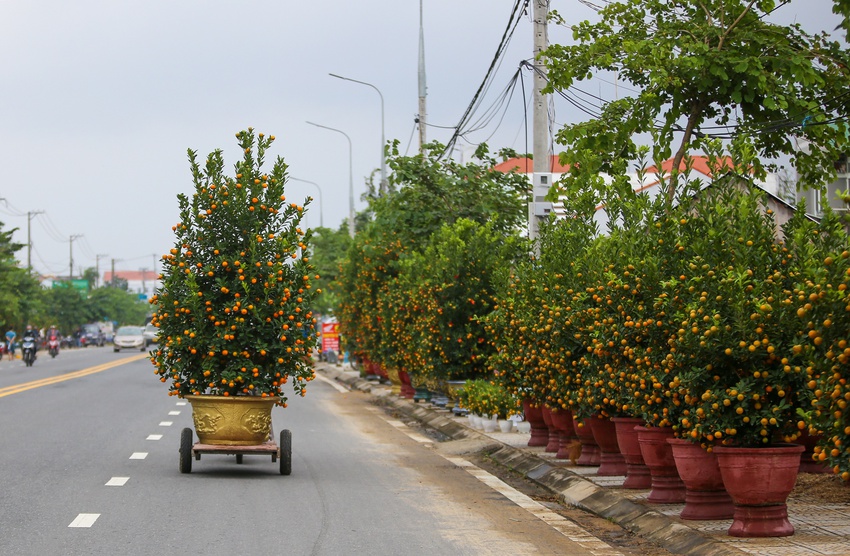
706 69
329 249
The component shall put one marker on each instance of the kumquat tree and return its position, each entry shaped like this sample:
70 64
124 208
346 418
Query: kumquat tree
234 308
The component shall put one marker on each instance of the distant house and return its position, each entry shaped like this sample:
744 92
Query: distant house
651 185
840 185
142 282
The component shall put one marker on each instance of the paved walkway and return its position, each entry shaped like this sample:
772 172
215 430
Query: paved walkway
821 529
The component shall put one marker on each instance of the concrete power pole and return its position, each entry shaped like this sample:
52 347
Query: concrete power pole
71 252
422 87
29 236
539 208
112 276
97 270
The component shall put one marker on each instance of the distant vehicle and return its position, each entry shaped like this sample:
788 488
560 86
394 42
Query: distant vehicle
91 335
129 337
151 333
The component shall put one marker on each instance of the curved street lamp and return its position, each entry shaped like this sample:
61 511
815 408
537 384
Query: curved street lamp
383 140
319 189
350 178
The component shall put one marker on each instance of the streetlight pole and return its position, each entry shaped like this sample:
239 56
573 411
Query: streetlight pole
350 178
383 188
319 189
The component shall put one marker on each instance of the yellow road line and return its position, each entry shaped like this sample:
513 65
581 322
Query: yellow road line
18 388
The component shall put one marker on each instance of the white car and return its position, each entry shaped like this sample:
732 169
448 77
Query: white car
129 337
151 333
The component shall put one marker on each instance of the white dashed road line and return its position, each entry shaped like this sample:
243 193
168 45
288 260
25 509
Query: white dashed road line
154 437
84 520
166 423
139 455
117 481
174 412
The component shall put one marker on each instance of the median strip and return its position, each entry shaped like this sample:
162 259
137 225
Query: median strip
18 388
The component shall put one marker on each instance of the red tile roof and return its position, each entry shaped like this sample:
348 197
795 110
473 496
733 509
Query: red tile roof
525 165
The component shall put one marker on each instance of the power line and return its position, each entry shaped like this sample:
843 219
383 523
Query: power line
513 22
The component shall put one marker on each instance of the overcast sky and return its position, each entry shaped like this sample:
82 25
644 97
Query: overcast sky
100 99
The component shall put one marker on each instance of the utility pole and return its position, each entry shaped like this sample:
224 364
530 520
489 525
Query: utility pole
144 287
112 276
539 208
71 263
30 216
97 269
422 87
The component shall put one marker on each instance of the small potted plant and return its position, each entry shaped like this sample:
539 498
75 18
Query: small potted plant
234 308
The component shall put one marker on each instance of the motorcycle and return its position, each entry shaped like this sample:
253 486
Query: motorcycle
53 346
28 351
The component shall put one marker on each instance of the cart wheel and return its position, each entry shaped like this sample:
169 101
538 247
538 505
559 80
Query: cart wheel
239 458
186 451
285 452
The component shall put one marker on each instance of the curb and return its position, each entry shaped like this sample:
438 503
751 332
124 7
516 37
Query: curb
572 489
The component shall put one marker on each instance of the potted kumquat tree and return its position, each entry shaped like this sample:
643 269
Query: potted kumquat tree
234 308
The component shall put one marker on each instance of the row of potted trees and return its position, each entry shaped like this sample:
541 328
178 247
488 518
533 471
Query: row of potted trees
421 275
703 318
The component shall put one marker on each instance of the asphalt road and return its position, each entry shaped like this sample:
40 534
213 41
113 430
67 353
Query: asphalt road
89 465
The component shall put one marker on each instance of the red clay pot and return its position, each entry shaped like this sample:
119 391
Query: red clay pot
807 464
590 454
611 461
539 430
759 481
562 419
667 487
705 496
407 389
554 436
637 473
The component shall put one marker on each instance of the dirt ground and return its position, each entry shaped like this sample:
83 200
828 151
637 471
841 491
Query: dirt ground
821 488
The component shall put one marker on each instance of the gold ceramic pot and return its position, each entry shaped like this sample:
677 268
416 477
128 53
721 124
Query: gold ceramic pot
392 374
232 421
453 388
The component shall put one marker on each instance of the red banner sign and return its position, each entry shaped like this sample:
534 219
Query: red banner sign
330 337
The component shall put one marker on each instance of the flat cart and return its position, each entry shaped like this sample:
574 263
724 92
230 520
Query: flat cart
189 450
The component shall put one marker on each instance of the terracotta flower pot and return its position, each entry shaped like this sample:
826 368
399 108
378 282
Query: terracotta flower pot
589 448
807 464
407 389
539 430
554 442
667 487
563 422
759 481
611 461
637 473
705 496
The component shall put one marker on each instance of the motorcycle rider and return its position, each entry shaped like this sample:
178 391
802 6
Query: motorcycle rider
52 336
32 334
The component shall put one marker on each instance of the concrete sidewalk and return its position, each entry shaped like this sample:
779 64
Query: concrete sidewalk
822 529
